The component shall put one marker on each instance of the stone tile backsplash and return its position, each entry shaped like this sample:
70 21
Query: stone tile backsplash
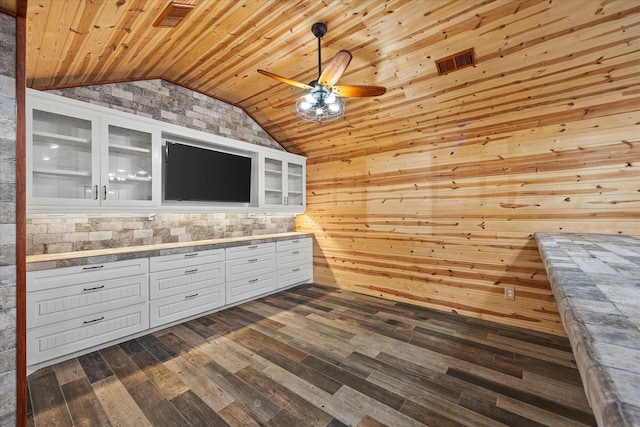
56 235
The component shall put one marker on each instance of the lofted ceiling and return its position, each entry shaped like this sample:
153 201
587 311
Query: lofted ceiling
217 49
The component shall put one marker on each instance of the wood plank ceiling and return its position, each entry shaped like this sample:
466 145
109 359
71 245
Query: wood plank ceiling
431 192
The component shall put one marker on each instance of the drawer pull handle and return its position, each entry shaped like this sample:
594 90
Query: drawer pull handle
93 267
195 270
190 296
253 247
191 255
86 322
253 280
253 260
295 241
295 252
92 289
296 269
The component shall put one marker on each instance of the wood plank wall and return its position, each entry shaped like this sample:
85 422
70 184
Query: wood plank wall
442 213
430 193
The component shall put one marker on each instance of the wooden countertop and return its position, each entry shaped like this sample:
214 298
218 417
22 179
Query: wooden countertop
65 259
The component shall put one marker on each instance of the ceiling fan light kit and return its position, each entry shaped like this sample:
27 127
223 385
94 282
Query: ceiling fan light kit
323 101
320 105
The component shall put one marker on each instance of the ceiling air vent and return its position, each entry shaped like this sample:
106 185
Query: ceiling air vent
173 14
455 62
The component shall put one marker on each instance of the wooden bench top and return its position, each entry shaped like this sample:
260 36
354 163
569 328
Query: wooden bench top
596 283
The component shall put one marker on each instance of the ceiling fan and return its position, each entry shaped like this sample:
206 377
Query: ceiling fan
323 100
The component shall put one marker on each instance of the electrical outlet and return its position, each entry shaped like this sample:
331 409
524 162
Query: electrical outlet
510 293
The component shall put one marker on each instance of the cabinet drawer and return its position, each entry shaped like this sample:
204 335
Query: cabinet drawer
177 307
67 337
249 268
291 245
237 252
240 290
294 275
70 302
66 276
168 262
294 257
173 282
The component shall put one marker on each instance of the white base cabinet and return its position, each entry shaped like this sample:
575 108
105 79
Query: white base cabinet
250 271
193 284
73 310
294 262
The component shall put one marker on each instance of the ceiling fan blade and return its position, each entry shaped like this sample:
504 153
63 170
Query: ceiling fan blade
335 68
358 91
286 80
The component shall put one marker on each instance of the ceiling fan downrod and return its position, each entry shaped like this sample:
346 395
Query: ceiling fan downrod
319 30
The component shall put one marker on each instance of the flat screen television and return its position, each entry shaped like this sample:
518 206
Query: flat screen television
205 175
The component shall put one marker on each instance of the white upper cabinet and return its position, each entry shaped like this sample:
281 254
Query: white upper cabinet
284 182
63 154
130 167
84 158
78 157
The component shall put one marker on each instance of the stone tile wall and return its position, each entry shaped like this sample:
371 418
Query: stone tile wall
164 101
174 104
55 235
7 220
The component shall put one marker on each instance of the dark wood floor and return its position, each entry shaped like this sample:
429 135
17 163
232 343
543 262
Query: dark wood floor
318 356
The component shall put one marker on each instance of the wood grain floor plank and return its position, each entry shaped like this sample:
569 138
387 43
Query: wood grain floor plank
47 401
443 406
131 347
431 383
421 412
320 380
319 356
184 349
370 422
523 396
160 376
94 366
235 414
256 403
119 406
124 368
69 371
84 406
158 410
305 412
196 411
156 348
387 397
209 391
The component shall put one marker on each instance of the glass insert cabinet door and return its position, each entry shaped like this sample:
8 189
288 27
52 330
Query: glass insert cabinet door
63 157
295 185
128 166
273 182
284 183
